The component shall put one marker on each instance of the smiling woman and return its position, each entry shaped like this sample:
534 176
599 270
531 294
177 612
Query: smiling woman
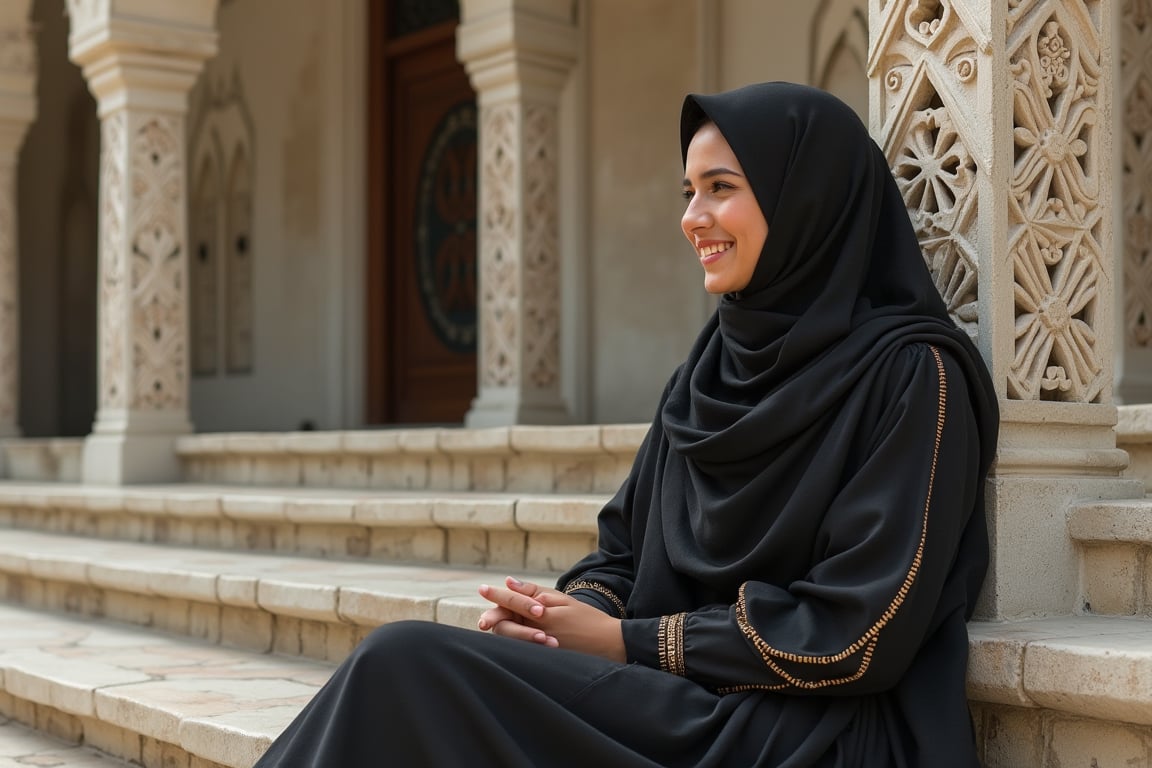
785 576
723 221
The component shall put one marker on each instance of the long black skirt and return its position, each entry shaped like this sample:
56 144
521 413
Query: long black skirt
422 694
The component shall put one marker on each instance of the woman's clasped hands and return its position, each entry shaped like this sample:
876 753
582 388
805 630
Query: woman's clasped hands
525 611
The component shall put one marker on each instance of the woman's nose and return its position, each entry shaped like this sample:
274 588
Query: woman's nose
696 215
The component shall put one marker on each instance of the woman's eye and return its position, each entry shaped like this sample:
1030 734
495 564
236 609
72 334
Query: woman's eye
686 194
720 186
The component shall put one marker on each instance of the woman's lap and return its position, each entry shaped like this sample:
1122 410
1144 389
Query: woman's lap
417 693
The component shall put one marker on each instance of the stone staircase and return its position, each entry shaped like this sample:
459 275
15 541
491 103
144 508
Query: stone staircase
184 626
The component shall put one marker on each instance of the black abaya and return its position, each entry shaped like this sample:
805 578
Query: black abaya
800 541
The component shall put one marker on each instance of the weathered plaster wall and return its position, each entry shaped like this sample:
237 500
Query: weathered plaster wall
305 247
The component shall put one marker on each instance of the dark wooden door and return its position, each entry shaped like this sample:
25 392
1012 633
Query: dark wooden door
422 307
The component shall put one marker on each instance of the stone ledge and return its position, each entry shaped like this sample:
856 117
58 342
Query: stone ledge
42 460
1128 521
219 704
446 509
312 589
20 747
1090 666
507 441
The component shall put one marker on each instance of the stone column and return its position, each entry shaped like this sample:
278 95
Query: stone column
518 54
995 116
140 61
17 111
1134 121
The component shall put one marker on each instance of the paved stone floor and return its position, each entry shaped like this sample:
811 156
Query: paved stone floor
21 748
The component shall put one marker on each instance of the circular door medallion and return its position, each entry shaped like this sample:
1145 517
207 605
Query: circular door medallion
446 230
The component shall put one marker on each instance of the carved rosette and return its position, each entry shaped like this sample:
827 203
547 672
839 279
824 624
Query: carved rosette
158 272
926 55
499 268
541 248
114 290
1136 139
9 310
1055 217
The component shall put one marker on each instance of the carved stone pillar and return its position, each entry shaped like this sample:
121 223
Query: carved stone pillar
1135 228
17 111
995 116
140 62
518 55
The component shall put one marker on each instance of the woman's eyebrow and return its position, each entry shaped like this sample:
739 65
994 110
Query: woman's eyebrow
715 172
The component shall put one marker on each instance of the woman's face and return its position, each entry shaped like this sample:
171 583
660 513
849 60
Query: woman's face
723 220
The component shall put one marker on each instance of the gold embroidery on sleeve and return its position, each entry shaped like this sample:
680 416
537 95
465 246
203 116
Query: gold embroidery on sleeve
670 642
867 641
600 588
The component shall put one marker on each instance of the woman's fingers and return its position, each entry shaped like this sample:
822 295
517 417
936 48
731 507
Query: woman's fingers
494 616
518 631
520 604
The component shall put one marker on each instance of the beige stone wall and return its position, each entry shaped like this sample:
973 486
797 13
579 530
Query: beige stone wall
307 232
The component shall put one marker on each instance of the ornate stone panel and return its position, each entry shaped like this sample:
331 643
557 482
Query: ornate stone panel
1136 149
927 56
1055 216
9 308
158 272
499 267
114 290
541 250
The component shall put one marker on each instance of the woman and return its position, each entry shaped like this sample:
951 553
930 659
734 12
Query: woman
785 576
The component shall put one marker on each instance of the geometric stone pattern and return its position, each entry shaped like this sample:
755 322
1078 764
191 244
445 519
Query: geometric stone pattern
500 284
933 62
1136 152
926 59
1055 217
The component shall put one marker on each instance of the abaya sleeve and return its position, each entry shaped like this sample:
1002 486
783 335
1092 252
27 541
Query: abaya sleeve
879 581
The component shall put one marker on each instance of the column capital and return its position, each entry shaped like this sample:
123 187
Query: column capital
517 49
142 57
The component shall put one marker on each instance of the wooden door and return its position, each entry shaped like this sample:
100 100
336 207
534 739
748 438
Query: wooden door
422 242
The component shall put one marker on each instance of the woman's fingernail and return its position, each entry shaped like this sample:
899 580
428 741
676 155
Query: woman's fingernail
536 610
515 581
482 624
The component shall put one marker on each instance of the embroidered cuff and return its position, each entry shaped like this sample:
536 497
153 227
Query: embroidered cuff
670 642
600 589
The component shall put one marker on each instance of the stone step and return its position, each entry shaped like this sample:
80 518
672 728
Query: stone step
591 458
310 607
1045 692
1070 691
1134 435
1114 539
21 747
545 532
54 460
145 697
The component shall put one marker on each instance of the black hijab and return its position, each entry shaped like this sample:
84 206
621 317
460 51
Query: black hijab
840 287
840 280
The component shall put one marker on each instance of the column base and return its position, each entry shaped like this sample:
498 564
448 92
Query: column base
507 407
125 450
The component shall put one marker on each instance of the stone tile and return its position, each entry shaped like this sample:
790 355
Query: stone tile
320 510
352 471
274 470
393 511
304 601
157 754
236 739
530 474
246 628
475 512
1110 579
555 552
492 440
1106 676
485 473
623 438
574 475
251 507
1013 738
328 443
461 611
419 441
21 747
111 739
467 547
1102 745
568 514
1112 521
610 475
543 439
372 441
408 544
506 549
375 607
